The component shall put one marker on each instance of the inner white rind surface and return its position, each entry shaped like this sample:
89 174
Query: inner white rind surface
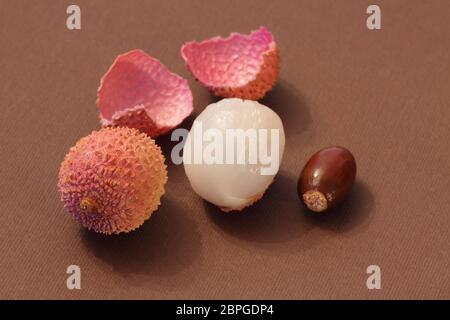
232 185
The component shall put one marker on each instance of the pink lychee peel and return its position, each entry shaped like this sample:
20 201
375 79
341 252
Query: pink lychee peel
242 66
138 91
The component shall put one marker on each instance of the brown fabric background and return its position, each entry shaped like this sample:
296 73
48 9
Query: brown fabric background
383 94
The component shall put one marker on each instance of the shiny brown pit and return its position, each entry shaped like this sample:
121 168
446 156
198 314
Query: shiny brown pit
327 178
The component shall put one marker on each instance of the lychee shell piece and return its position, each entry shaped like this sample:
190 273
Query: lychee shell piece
112 180
138 91
241 66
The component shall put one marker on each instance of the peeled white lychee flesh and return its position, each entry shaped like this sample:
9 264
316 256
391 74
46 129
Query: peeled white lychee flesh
233 152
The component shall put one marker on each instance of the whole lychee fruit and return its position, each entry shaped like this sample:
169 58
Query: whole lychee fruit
112 180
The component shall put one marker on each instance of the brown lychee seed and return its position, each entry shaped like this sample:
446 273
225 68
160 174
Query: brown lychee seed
327 178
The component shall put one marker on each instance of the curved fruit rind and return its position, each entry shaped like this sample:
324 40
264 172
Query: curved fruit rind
241 66
138 91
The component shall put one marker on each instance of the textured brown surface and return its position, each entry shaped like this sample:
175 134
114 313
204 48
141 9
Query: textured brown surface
382 94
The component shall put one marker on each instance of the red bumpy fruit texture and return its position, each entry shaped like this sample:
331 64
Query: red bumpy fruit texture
112 180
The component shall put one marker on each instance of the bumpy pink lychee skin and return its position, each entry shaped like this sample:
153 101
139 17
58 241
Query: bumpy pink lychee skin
112 180
240 66
138 91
